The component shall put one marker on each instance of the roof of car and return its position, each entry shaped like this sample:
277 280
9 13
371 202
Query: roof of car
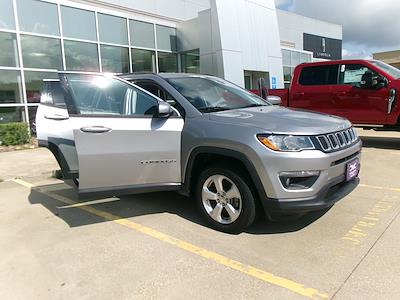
334 62
163 75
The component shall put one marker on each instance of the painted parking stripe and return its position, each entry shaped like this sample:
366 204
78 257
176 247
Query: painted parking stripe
219 259
23 182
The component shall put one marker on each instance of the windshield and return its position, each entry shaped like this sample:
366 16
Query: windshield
394 72
209 94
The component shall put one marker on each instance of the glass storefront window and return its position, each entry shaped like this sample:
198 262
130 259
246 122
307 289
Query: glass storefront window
143 60
38 17
12 114
41 52
34 82
286 60
166 38
305 58
295 58
167 62
80 56
78 23
7 15
10 87
114 59
247 82
8 50
112 29
287 74
190 61
142 34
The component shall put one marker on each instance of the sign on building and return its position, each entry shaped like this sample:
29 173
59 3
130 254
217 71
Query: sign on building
322 47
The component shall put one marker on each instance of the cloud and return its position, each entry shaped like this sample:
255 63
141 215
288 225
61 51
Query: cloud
368 25
355 52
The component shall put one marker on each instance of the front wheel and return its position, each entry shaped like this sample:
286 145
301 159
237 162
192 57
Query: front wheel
225 199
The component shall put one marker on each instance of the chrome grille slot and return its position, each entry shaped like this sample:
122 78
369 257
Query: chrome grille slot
324 142
348 136
351 134
333 140
340 138
355 136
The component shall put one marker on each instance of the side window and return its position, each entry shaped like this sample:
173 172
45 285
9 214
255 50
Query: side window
102 95
52 94
160 93
352 74
319 75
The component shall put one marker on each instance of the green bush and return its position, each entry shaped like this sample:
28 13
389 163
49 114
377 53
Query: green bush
14 134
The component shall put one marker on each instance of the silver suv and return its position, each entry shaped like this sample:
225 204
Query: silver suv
232 151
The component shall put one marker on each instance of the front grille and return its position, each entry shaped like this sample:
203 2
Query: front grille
338 140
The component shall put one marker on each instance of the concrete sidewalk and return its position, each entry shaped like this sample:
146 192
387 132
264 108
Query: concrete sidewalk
27 163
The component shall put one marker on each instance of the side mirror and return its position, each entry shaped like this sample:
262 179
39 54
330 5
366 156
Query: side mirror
274 100
164 110
381 82
367 80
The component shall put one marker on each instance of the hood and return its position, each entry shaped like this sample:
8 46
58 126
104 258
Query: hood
279 120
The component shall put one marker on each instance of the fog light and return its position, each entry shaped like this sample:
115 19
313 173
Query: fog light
298 180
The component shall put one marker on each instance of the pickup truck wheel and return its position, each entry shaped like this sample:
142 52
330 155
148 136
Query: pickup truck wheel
225 200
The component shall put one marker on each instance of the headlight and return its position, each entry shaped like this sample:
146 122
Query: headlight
286 142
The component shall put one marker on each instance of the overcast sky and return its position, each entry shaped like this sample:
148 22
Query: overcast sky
368 25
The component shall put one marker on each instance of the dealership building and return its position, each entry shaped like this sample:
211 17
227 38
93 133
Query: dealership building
239 40
390 57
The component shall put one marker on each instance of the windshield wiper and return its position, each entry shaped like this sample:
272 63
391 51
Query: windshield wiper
212 109
252 105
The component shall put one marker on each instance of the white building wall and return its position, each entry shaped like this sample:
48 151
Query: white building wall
174 9
189 34
292 27
234 36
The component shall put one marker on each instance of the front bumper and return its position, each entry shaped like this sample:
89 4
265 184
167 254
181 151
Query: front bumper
334 191
330 187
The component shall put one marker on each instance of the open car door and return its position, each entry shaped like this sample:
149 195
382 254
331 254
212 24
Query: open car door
53 128
123 144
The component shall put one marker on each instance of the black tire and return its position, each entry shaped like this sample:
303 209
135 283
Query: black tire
248 206
57 174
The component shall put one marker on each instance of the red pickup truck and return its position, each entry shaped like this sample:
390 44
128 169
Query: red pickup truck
363 91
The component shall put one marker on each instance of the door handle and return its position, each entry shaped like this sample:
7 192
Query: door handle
56 117
95 129
300 94
341 93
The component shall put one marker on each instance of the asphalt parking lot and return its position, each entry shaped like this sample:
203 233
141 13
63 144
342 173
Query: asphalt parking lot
155 246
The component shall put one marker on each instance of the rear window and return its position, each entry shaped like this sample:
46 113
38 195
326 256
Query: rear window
319 75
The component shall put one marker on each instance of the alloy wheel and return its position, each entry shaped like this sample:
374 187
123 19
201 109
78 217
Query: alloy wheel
221 199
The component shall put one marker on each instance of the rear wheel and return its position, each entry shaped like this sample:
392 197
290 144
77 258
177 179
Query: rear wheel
225 199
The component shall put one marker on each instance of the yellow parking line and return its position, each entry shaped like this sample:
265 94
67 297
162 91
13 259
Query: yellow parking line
219 259
380 187
23 182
